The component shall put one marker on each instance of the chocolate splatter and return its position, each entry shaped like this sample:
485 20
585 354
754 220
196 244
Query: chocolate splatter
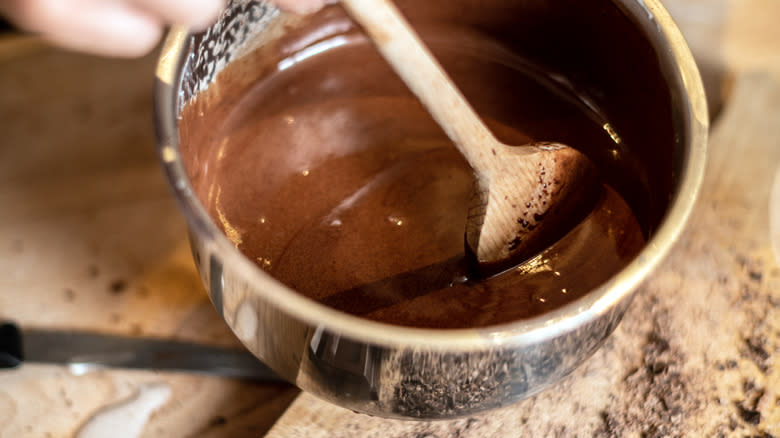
93 271
656 395
750 416
757 353
117 286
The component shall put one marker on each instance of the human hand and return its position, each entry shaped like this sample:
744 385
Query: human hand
125 28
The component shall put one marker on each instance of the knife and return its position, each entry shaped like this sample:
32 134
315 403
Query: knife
85 351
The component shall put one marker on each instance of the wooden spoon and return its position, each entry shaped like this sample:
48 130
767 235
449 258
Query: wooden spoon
517 187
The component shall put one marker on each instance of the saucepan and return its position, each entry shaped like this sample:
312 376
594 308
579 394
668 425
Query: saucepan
635 65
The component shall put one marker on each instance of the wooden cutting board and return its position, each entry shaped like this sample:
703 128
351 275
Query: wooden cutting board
91 239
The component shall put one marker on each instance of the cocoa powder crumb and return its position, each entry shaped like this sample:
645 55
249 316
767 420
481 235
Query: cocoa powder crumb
117 286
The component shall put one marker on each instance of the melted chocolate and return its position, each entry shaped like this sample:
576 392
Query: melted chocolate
332 177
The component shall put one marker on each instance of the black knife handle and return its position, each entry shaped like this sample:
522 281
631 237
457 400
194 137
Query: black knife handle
11 355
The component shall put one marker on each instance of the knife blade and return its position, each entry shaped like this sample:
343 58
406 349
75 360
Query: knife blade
84 351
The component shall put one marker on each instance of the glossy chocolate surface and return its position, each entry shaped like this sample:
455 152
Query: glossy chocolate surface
331 176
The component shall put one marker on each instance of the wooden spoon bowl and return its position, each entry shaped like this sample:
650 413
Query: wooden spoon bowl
525 196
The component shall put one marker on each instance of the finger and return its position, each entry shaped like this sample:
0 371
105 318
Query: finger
103 27
197 14
301 6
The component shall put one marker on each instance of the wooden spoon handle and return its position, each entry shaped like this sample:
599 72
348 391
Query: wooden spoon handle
402 48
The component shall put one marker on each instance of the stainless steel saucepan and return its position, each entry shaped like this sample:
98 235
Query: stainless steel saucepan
633 61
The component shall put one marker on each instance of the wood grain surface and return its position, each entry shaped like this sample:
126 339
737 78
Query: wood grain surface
90 238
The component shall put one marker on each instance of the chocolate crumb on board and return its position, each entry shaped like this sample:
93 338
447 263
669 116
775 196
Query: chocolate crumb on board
656 395
755 276
757 353
93 271
70 295
459 429
117 286
750 416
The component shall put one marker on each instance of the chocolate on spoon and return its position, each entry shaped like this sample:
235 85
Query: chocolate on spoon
525 196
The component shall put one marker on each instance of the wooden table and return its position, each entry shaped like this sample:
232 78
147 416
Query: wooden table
90 239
